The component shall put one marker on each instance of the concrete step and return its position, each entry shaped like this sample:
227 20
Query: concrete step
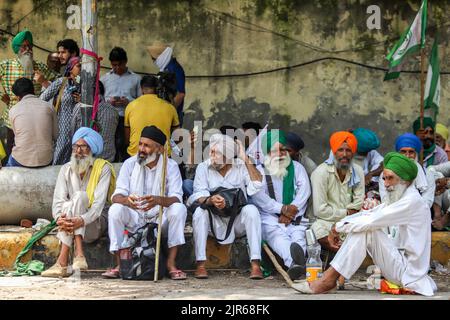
235 256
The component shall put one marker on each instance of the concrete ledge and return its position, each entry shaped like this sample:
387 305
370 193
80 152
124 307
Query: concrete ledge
13 239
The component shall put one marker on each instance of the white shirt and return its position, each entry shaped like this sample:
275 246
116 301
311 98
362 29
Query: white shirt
173 179
371 162
412 216
269 208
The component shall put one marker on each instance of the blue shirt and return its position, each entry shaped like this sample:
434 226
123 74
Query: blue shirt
127 85
175 67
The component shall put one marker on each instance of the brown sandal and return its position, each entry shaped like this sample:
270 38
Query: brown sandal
201 272
256 274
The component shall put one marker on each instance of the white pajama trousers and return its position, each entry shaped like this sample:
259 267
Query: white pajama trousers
75 207
379 246
121 217
279 238
248 222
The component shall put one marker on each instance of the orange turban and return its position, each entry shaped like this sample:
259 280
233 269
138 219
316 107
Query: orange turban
338 138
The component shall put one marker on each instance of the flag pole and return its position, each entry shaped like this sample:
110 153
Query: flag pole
422 94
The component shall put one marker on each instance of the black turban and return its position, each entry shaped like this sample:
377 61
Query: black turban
294 141
155 134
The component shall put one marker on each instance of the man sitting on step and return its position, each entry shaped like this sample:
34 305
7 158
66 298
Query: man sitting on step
282 203
83 186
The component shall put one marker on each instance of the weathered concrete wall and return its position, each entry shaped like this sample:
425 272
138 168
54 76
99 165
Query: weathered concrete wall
214 37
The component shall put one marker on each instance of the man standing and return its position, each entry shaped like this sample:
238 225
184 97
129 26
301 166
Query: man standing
282 203
432 153
67 49
222 170
35 128
337 186
148 110
404 262
137 199
23 66
82 189
162 56
121 87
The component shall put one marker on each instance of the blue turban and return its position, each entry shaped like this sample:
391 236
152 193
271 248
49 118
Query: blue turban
367 140
92 138
408 140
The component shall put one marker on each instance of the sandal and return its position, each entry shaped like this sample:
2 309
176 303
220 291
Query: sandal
177 275
256 274
303 287
112 273
201 273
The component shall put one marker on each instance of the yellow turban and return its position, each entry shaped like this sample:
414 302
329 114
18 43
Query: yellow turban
442 130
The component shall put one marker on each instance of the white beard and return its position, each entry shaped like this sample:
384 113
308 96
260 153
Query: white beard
145 161
26 60
81 165
394 193
277 166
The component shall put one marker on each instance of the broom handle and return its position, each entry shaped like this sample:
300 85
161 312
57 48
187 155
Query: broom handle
277 265
163 192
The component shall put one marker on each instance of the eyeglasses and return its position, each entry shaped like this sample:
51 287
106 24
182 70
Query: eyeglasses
83 147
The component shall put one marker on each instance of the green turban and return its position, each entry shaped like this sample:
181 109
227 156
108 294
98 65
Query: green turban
427 122
267 143
20 38
402 166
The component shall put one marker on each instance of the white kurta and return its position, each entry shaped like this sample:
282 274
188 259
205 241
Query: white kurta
121 217
207 179
405 262
70 197
278 235
371 162
424 183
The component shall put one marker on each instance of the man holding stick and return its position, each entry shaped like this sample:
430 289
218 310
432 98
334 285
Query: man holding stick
136 199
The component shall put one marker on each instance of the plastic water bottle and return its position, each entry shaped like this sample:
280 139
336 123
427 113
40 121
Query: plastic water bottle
126 240
314 263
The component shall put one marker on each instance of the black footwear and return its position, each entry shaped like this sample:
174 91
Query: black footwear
297 254
296 272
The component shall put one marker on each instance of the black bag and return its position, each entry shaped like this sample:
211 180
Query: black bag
234 202
138 261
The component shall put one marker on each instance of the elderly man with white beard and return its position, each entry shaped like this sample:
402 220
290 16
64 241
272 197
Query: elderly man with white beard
403 261
23 66
222 170
136 200
81 192
282 203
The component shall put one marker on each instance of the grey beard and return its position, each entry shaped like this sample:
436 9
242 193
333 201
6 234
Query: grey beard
26 60
81 165
394 193
340 166
277 166
145 161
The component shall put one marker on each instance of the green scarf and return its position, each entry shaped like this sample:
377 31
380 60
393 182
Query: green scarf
268 141
427 152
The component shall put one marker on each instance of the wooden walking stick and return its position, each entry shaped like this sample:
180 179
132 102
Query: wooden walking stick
162 194
277 265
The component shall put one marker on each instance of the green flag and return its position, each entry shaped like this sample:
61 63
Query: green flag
410 42
433 84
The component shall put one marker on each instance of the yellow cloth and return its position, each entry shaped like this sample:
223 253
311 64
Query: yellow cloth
95 178
442 130
148 110
2 151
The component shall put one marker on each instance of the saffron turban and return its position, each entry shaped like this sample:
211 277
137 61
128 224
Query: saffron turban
338 138
272 137
92 138
367 140
223 144
153 133
427 122
402 166
20 38
408 140
442 130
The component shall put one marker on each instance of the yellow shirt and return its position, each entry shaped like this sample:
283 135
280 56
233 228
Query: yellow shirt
148 110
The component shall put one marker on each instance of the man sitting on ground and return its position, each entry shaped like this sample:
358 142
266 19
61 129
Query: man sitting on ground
404 262
282 203
294 145
140 181
337 187
84 184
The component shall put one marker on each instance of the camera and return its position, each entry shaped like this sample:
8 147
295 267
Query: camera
167 86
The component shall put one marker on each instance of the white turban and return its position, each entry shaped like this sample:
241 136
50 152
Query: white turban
223 144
